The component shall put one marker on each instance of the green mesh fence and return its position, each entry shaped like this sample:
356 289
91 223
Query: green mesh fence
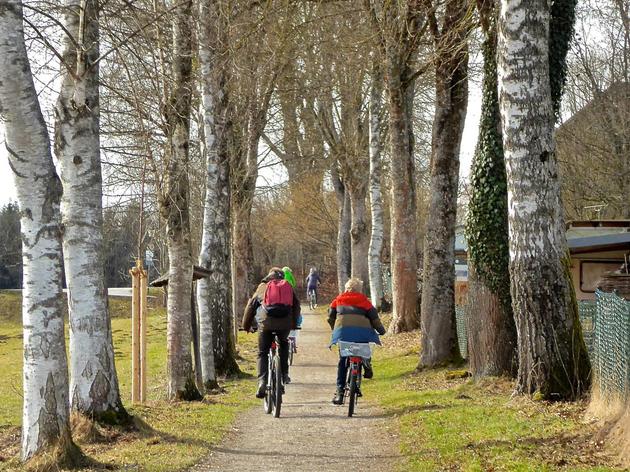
610 352
606 328
462 335
588 310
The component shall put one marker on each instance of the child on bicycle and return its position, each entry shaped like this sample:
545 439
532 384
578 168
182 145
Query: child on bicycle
276 309
352 318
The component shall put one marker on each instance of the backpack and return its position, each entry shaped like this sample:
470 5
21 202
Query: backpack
278 298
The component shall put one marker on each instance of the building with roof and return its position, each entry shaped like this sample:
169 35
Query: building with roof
597 248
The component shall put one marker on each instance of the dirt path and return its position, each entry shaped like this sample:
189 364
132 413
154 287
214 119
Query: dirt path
312 434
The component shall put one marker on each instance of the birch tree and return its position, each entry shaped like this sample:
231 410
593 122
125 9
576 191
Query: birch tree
376 200
174 208
45 414
93 381
552 356
214 294
439 334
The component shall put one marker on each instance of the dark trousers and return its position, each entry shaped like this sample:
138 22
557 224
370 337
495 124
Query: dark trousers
342 371
265 338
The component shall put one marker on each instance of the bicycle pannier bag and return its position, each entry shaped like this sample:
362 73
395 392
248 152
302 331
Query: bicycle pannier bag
278 298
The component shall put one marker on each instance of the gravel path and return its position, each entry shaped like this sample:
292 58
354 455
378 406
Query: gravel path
312 434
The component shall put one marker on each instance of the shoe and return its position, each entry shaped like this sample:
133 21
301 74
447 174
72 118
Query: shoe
368 372
262 389
338 398
286 379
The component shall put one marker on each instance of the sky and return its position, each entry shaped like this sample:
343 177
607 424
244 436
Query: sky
270 175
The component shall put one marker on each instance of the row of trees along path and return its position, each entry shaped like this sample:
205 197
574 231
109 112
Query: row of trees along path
312 433
539 324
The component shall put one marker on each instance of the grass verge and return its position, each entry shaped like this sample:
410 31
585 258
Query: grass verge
168 436
457 424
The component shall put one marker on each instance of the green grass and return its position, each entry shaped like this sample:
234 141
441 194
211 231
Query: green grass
460 425
176 435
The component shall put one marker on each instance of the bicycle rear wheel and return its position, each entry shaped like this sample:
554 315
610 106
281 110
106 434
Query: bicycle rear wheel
354 391
277 391
268 401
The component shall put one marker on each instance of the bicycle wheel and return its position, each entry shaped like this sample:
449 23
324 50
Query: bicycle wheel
277 391
354 390
268 401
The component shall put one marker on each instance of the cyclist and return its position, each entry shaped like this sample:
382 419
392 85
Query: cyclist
352 318
276 309
288 276
312 282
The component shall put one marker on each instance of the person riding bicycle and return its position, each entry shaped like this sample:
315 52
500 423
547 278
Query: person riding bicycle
312 282
352 318
276 308
288 276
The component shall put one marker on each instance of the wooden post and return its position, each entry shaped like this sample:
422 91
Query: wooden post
138 332
143 333
135 335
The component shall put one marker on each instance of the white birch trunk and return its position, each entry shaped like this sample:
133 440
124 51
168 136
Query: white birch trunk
213 293
376 199
45 376
94 383
174 206
359 232
552 355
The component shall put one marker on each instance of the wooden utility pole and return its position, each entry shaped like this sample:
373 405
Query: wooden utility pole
138 333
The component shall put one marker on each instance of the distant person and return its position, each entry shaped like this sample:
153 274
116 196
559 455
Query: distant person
312 283
288 276
276 309
352 318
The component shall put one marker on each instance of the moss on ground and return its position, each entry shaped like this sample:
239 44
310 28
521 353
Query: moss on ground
167 436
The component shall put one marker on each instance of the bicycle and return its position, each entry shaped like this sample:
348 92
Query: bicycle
272 403
355 354
312 298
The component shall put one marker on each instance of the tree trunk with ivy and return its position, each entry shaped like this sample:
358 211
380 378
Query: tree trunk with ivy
439 333
553 361
174 208
45 413
489 318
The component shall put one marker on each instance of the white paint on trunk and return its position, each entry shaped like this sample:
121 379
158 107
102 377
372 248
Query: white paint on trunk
94 383
45 411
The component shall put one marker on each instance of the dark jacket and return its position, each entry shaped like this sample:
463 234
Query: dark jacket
255 312
352 318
